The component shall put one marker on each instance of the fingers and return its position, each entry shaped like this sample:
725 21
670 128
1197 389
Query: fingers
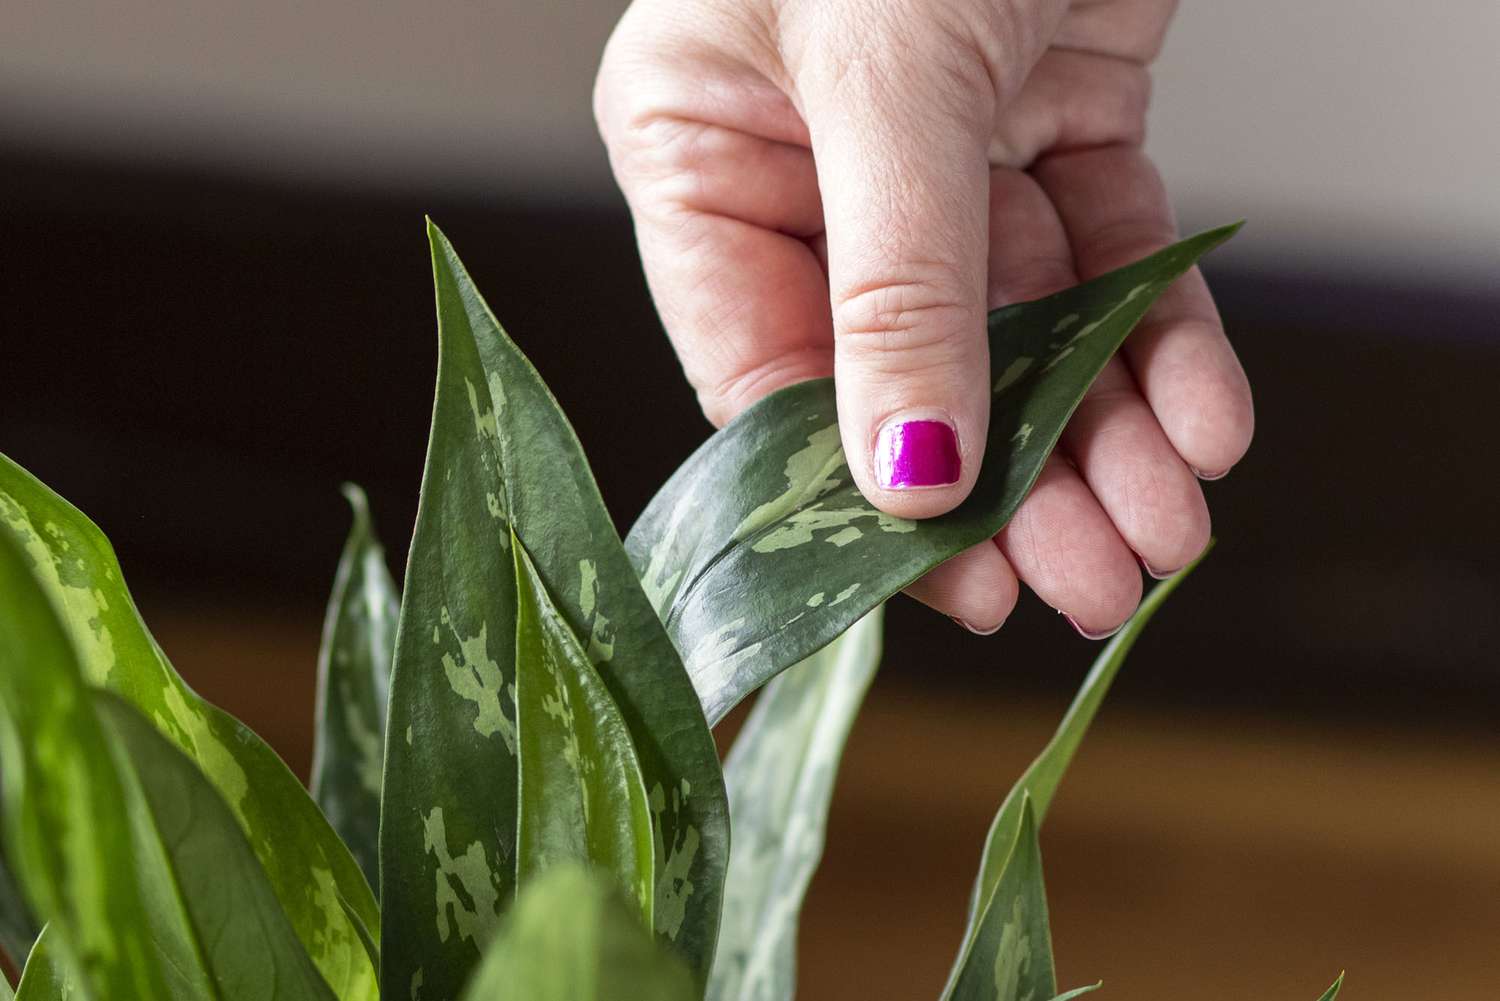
1114 208
977 588
1066 549
899 141
720 215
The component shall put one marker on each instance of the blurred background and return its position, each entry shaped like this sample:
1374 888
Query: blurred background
215 306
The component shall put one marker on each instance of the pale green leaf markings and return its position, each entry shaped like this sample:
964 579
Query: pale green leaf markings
476 677
295 844
810 473
709 555
1012 956
582 798
500 447
675 858
780 774
467 888
1034 790
571 937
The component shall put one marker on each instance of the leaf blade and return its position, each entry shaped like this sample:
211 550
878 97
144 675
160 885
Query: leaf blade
309 866
570 938
793 496
47 976
1333 991
514 460
354 667
582 798
242 935
780 774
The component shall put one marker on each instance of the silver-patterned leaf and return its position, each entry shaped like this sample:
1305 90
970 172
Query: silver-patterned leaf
308 866
1034 790
354 670
780 774
760 549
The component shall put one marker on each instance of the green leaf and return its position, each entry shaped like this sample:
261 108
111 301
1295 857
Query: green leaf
66 815
501 454
18 930
243 940
307 864
1011 956
1038 784
761 549
573 938
1078 992
354 670
1333 990
780 775
582 798
47 976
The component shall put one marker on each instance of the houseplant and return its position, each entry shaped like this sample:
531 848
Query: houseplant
515 753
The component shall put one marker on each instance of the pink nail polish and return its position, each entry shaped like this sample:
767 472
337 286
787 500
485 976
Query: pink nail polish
916 453
992 630
1088 635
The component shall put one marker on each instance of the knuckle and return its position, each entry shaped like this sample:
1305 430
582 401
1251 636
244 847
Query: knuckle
1125 240
932 312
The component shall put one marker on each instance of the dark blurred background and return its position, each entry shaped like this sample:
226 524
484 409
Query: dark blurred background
215 305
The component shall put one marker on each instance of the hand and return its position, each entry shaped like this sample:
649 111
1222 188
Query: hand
843 186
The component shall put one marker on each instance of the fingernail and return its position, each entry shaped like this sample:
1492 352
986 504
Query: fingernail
1088 635
916 453
1209 477
992 630
1158 574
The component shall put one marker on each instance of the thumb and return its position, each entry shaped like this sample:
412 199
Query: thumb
900 146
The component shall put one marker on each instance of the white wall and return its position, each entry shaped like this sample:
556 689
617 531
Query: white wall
1360 134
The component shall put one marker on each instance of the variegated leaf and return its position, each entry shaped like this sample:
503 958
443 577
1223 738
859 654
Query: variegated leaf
247 949
1034 790
572 937
780 776
501 454
1012 955
47 976
67 816
761 549
582 799
354 669
308 866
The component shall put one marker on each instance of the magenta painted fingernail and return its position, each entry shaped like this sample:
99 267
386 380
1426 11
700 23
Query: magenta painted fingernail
919 453
1092 636
992 630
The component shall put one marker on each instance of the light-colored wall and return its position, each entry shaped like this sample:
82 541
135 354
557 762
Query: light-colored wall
1355 134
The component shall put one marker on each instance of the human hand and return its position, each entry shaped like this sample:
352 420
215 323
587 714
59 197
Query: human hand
844 188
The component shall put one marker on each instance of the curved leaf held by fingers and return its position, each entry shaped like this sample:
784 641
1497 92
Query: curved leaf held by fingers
735 550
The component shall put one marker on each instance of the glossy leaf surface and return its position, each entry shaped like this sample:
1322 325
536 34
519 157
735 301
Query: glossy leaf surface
1036 787
66 813
501 454
248 949
574 938
354 670
307 864
582 796
780 774
1011 958
761 549
47 977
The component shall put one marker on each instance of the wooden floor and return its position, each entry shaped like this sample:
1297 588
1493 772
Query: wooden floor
1188 856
